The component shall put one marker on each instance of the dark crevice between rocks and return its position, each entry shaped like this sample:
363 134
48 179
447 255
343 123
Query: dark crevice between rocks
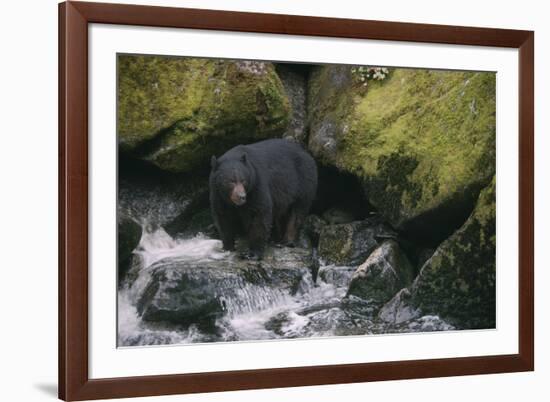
303 69
141 174
295 79
342 191
214 145
150 145
133 169
420 237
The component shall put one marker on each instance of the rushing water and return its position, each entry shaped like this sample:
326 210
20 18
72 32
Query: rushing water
252 311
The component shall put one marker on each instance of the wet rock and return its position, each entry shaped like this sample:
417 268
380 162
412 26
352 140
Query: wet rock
422 152
382 275
198 292
177 112
310 231
337 276
325 320
399 310
129 235
458 282
399 317
194 218
429 323
337 215
351 243
156 198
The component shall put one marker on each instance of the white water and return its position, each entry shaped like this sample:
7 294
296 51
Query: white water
157 245
153 247
247 314
252 312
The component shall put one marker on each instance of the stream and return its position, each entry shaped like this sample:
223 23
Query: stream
251 312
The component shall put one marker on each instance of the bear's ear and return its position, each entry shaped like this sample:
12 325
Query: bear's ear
243 158
213 162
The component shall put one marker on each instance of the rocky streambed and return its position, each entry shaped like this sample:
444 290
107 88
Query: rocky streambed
190 290
345 277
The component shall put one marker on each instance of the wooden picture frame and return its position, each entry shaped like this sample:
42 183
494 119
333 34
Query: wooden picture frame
74 381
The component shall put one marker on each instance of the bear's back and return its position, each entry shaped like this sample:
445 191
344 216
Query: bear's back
290 171
276 151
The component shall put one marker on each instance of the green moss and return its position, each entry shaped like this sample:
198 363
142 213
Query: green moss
177 112
154 92
336 243
435 129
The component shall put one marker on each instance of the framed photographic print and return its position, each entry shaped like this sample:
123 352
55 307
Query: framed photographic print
259 200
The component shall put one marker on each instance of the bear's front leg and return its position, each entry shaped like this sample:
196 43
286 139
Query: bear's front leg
228 243
226 229
227 233
258 235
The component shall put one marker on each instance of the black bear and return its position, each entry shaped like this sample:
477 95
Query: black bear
260 190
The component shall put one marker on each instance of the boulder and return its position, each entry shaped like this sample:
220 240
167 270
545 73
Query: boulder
129 235
421 141
458 281
382 275
177 112
351 243
198 292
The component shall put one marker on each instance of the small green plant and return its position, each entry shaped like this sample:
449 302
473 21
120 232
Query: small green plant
366 73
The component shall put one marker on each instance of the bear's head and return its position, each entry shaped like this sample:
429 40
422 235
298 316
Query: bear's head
233 179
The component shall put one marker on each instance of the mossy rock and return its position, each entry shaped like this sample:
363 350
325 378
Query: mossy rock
422 141
458 281
176 112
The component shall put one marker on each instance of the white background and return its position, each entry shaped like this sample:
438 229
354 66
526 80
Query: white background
108 361
28 162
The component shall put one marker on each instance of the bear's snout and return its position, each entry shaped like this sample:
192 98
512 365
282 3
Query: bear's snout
238 195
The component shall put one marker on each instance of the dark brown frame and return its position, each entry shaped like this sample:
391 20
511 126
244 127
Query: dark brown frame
74 18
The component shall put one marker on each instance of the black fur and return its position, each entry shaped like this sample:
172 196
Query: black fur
280 179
